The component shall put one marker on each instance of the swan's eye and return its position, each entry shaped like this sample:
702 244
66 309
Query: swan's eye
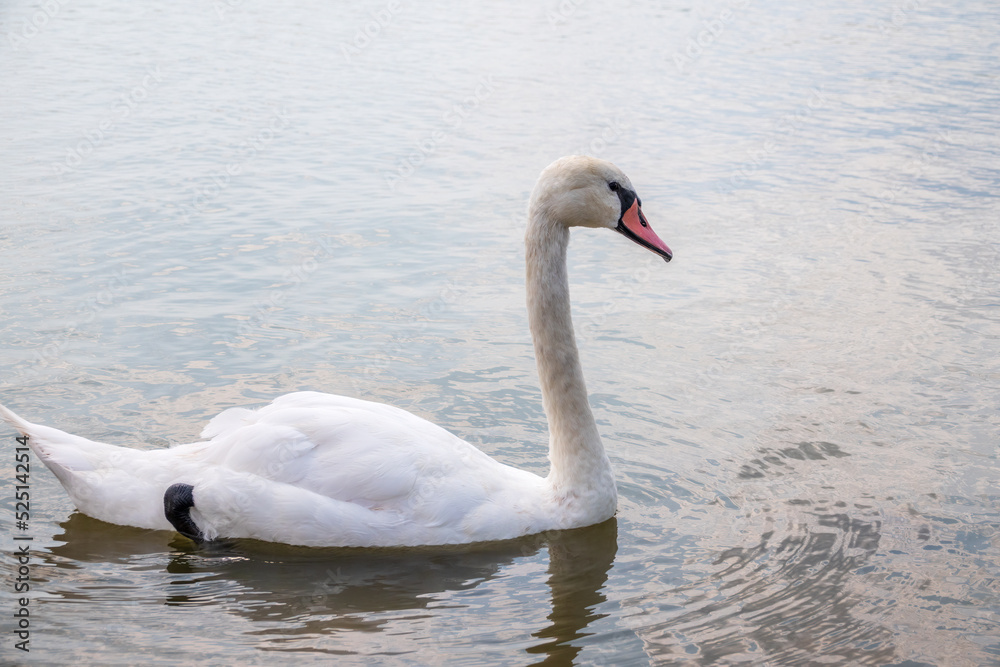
614 186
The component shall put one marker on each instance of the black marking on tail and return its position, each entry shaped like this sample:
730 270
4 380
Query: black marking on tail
177 503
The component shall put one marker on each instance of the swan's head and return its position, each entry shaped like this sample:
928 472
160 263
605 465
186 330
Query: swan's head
580 191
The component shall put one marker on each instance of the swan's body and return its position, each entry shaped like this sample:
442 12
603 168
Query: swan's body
324 470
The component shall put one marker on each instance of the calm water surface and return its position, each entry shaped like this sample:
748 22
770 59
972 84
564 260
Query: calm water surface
205 205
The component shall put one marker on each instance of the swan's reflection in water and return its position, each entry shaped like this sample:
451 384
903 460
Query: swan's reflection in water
579 561
832 579
308 599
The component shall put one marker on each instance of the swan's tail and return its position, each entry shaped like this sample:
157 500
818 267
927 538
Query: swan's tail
63 453
110 483
15 421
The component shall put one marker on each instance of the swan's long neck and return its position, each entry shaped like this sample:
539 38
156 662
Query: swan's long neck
579 463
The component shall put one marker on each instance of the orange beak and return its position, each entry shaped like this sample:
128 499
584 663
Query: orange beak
633 225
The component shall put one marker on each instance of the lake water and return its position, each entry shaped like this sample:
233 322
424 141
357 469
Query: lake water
208 204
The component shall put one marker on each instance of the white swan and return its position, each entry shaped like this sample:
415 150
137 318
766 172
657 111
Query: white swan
323 470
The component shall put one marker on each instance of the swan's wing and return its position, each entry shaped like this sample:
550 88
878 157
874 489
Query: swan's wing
369 454
226 421
317 469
